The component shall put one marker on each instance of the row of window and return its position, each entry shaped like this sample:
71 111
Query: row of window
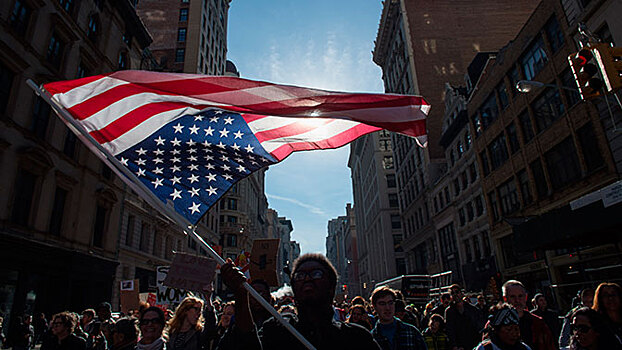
477 247
471 210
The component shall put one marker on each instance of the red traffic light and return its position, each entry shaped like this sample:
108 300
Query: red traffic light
583 56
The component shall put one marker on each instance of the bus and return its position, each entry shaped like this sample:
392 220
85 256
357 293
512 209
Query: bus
415 288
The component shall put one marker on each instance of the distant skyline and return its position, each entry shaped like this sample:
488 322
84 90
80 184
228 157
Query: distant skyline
321 44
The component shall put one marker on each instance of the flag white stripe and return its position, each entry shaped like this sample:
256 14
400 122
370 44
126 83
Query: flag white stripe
320 134
81 93
269 123
144 129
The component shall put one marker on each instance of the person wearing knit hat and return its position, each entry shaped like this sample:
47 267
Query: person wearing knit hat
503 330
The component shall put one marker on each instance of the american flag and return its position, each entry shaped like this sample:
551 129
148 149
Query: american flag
189 138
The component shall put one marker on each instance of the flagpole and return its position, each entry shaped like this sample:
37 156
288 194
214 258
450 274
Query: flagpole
147 195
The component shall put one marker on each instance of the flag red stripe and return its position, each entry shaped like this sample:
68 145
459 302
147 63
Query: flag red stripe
132 119
332 142
66 85
291 130
252 117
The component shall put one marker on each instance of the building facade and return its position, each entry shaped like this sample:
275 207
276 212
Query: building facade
61 207
538 152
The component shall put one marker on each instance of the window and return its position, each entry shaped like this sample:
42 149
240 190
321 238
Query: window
183 15
40 118
554 34
232 204
232 219
387 162
467 250
498 151
604 33
459 149
145 232
538 175
572 96
489 110
93 29
508 196
55 50
464 180
127 37
479 206
6 81
393 203
467 139
461 217
391 181
123 61
477 250
181 34
456 187
534 59
514 78
396 223
58 210
69 147
232 241
547 108
129 231
512 137
24 191
20 16
397 243
66 5
589 145
100 226
503 95
385 145
82 71
562 164
486 242
525 191
473 172
483 157
469 211
492 198
179 55
477 124
526 126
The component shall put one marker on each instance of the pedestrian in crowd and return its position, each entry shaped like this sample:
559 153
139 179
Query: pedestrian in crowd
390 332
591 332
482 305
104 312
549 316
124 334
313 281
260 314
288 311
463 321
435 336
151 324
24 335
40 325
185 329
404 315
607 303
440 308
2 338
228 311
63 337
586 297
427 313
534 331
358 315
503 330
105 321
96 339
78 328
87 320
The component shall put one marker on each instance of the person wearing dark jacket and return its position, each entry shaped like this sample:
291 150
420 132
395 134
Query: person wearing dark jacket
549 316
313 282
463 321
124 334
186 329
62 337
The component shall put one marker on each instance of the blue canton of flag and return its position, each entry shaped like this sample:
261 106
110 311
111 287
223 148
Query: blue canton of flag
192 161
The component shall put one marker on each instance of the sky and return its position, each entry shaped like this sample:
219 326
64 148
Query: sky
323 44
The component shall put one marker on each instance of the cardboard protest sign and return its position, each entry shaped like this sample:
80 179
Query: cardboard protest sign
129 296
263 260
190 272
167 296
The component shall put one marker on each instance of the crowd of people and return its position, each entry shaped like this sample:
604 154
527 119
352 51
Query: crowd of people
385 321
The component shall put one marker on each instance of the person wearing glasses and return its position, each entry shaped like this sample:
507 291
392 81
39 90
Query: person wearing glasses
503 330
62 327
313 281
185 329
591 332
390 332
151 324
463 321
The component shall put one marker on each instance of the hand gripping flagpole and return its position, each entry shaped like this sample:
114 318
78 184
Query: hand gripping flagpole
147 195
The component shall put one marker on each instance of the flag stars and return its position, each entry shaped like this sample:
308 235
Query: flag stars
194 192
193 178
206 145
159 141
175 160
249 148
209 166
192 150
158 171
176 142
210 177
224 132
175 151
178 128
157 182
141 161
229 121
239 160
198 117
235 147
194 129
175 168
221 145
209 131
225 167
141 151
213 119
238 135
241 169
191 142
195 207
158 152
176 194
140 172
193 167
227 177
175 180
211 190
123 161
224 158
208 157
192 158
158 160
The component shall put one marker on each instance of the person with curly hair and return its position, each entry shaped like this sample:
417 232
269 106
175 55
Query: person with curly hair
185 329
590 332
62 327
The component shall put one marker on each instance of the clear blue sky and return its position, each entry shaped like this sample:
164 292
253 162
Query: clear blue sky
322 44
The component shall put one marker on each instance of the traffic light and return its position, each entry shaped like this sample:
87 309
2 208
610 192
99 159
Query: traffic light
610 63
585 69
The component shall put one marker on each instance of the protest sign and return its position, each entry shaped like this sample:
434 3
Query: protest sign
129 295
167 296
263 260
190 272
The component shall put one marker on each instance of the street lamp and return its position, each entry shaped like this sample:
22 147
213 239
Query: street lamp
526 86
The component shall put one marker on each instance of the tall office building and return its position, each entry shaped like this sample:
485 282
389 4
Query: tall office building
420 46
188 36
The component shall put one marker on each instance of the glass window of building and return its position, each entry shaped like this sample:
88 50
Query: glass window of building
554 34
56 48
538 175
20 17
508 196
396 222
526 126
387 162
547 108
179 55
489 110
503 95
589 145
512 137
525 190
572 96
562 164
498 151
183 15
181 34
492 199
483 158
534 59
391 181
